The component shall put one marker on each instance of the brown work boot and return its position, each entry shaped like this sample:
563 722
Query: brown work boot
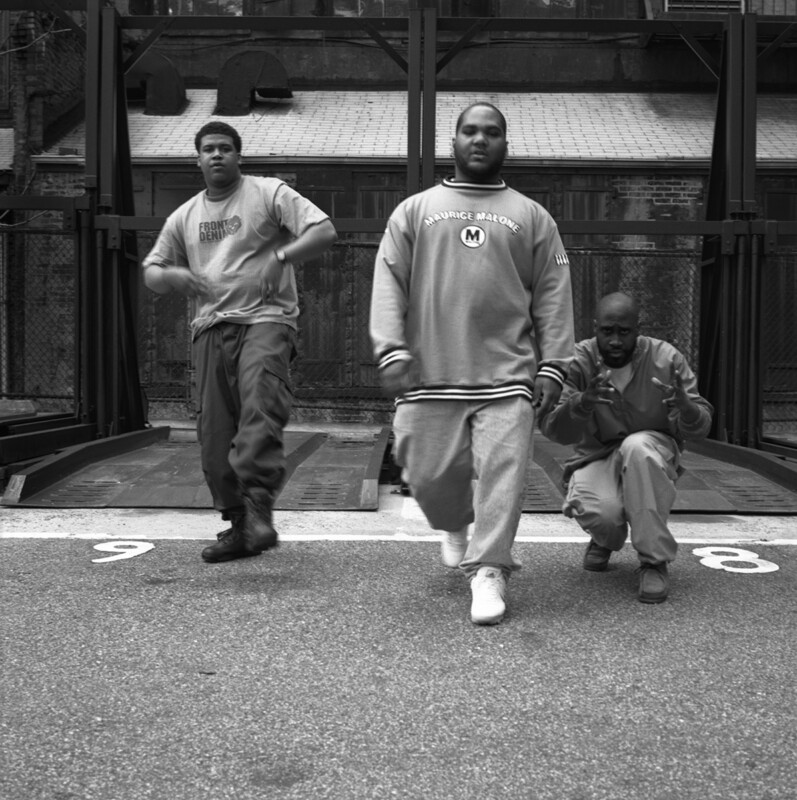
258 531
596 558
230 543
654 582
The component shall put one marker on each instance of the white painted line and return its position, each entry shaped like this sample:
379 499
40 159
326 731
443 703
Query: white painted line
398 536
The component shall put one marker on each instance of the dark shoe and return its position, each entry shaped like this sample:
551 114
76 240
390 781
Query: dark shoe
258 533
654 582
230 544
596 559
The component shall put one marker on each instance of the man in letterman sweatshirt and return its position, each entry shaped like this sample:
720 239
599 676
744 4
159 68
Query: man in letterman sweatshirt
472 327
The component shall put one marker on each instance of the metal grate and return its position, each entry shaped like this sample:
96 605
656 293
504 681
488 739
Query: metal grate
541 494
751 493
321 495
84 493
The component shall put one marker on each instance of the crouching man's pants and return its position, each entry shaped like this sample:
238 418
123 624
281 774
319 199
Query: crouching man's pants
633 486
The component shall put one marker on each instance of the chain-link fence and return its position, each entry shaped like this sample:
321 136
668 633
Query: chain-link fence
779 345
38 295
164 348
334 374
335 377
665 283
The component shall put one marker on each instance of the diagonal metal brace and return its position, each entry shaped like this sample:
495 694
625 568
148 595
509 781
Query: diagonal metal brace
705 57
469 34
384 44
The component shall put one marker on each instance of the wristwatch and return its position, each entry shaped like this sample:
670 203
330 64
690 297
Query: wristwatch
280 255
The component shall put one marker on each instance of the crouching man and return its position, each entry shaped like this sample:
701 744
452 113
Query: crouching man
628 405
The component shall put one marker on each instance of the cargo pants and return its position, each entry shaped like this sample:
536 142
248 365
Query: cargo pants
245 399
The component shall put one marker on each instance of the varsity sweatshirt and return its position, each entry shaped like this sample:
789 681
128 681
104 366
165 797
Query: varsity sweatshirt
472 286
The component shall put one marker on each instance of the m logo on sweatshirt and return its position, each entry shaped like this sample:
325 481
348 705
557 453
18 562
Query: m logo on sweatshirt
472 236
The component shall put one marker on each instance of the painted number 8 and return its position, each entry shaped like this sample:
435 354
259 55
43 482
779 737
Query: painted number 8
723 558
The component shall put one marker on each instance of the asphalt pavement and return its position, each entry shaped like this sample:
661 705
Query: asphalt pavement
343 664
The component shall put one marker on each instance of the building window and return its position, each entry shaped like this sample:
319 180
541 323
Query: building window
540 195
589 205
324 198
378 202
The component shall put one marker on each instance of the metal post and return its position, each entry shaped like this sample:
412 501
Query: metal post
86 388
723 346
107 116
93 404
753 399
99 331
93 71
750 112
755 369
734 124
414 57
736 376
429 96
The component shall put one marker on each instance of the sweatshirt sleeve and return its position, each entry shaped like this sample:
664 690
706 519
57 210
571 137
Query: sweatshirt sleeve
552 303
390 293
700 428
565 423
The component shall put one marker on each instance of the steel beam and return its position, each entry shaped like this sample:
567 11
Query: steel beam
93 72
749 112
414 112
429 108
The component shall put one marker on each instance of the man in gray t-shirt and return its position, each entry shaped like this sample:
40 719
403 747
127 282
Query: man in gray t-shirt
232 247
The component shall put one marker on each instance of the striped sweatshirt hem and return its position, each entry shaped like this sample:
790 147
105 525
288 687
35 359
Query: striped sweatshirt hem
478 393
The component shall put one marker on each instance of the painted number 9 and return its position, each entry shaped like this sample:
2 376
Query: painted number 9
728 557
122 550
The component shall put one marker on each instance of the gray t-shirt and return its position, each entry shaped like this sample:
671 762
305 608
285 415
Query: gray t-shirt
227 240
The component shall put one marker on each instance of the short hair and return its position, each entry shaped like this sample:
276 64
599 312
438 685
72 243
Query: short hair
501 117
221 128
618 302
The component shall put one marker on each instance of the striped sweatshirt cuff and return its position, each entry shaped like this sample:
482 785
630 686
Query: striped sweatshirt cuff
392 356
553 372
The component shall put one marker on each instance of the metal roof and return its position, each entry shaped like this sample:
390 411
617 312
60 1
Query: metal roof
351 126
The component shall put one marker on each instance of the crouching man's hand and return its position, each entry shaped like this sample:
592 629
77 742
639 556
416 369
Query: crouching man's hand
546 394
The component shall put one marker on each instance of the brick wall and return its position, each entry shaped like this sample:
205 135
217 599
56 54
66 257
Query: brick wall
658 197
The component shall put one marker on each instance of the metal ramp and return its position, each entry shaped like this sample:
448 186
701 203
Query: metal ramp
325 472
339 471
711 484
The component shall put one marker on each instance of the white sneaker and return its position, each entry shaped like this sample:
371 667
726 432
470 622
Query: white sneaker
453 546
488 587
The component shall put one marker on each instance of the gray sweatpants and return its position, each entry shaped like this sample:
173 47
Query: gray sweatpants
465 461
